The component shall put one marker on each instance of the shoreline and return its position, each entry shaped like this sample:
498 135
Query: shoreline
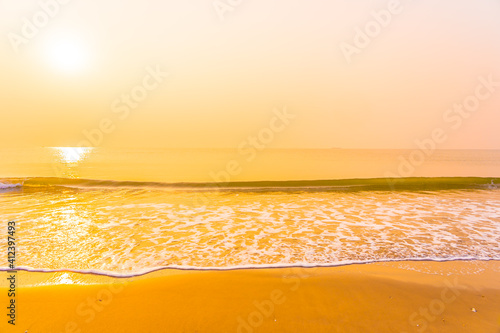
167 269
372 297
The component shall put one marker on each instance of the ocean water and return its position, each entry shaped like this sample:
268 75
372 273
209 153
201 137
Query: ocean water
133 211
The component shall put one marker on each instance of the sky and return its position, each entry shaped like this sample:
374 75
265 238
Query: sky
209 74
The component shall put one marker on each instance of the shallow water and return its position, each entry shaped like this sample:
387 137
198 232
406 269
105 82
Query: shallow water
129 230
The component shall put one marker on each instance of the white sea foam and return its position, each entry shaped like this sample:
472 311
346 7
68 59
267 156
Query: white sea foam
130 232
7 186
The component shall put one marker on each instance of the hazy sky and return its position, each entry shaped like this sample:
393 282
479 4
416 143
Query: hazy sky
229 69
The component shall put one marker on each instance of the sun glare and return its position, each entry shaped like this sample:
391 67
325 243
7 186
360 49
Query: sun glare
72 155
67 55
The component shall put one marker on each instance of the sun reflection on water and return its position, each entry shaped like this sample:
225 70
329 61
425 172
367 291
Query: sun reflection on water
64 279
72 155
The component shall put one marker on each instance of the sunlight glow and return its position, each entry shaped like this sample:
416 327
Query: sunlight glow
67 55
64 279
72 155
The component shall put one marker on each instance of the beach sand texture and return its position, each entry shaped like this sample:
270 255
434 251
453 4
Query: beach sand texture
459 296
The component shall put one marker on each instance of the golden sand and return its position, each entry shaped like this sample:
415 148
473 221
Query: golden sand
455 296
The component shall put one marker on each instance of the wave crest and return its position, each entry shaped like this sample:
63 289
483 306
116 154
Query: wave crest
366 184
4 186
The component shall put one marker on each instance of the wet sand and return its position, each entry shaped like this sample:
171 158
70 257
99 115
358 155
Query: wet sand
459 296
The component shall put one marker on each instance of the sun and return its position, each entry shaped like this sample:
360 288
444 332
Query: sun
67 55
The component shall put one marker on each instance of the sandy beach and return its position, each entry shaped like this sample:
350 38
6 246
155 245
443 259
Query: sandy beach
232 166
459 296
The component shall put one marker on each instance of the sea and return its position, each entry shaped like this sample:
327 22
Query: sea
124 212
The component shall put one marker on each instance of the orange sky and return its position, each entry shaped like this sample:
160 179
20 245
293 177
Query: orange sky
225 76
